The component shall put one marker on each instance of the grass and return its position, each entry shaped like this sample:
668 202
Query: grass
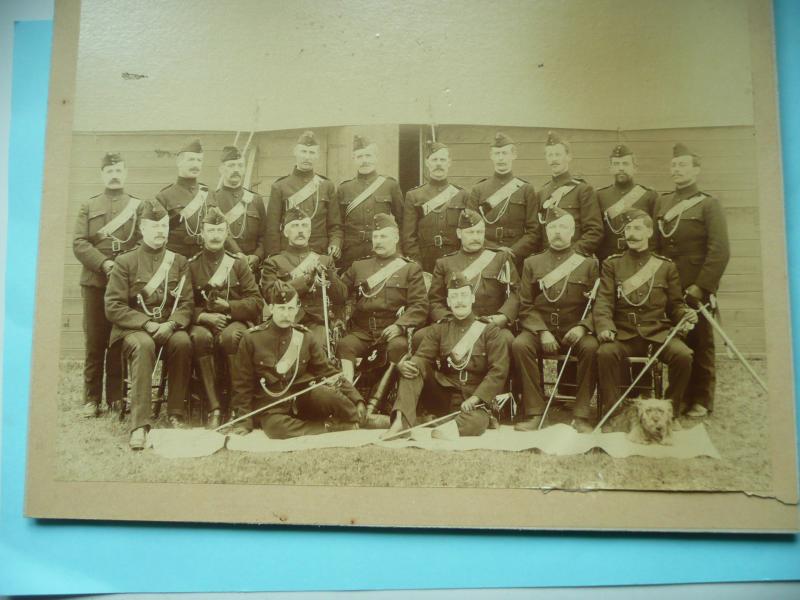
97 450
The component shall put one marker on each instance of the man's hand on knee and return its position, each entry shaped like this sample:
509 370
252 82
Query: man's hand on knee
163 333
408 369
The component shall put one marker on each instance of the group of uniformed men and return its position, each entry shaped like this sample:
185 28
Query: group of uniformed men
186 275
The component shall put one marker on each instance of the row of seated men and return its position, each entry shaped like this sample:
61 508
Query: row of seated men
691 226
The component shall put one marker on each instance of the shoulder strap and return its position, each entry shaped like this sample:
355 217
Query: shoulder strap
220 276
199 199
504 192
160 275
292 353
373 187
383 274
440 199
624 203
683 206
300 195
557 195
311 260
561 271
477 266
124 215
467 341
638 279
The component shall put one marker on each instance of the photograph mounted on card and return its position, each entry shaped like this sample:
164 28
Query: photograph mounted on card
331 271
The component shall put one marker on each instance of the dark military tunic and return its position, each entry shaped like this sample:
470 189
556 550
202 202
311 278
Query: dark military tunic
579 200
239 288
359 222
633 195
512 222
184 234
248 231
556 309
447 383
320 205
697 241
92 248
642 317
429 231
260 350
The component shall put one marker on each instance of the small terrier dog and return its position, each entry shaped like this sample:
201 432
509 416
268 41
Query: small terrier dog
647 421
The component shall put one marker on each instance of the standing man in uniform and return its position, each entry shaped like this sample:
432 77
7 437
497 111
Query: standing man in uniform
303 269
508 204
391 298
430 212
362 198
279 358
243 210
105 227
555 289
461 363
149 302
692 232
313 194
226 302
638 300
492 275
572 194
618 197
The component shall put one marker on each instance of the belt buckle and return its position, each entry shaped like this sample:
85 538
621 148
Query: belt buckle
498 233
622 244
116 246
157 312
463 376
438 241
554 319
632 318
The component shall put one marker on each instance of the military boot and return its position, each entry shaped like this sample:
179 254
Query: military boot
206 373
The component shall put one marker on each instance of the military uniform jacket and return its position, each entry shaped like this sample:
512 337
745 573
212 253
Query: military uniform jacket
91 247
280 266
132 271
558 308
581 203
697 240
184 234
496 289
487 368
650 310
247 232
320 205
359 224
433 233
512 222
259 352
238 288
377 308
613 241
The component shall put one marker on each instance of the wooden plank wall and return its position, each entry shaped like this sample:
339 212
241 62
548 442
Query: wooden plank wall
728 172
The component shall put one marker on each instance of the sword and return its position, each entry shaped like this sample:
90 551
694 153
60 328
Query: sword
553 391
178 291
324 287
428 424
645 368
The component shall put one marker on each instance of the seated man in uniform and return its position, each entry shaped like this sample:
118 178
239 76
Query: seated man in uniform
149 303
555 288
639 297
226 303
302 268
391 298
462 362
279 358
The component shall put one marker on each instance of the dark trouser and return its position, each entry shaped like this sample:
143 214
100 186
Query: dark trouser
314 408
356 343
96 329
440 400
611 357
526 350
204 344
140 350
704 374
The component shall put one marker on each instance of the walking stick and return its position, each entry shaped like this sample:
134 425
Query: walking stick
330 379
646 366
428 424
728 342
553 391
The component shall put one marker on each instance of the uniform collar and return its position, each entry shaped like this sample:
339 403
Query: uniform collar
504 177
562 178
563 253
187 182
149 250
388 259
626 187
466 320
686 192
305 175
298 250
214 255
369 177
280 331
638 254
114 194
471 254
438 185
231 190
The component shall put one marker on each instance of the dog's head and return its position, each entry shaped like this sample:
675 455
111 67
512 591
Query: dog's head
655 417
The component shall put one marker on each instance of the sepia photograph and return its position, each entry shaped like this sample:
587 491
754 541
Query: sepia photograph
325 269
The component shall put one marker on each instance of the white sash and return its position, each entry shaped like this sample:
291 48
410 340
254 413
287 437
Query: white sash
380 276
478 265
199 199
373 187
441 199
220 276
624 203
557 195
300 196
504 192
292 353
309 261
638 279
161 273
561 271
239 208
467 341
683 206
122 218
